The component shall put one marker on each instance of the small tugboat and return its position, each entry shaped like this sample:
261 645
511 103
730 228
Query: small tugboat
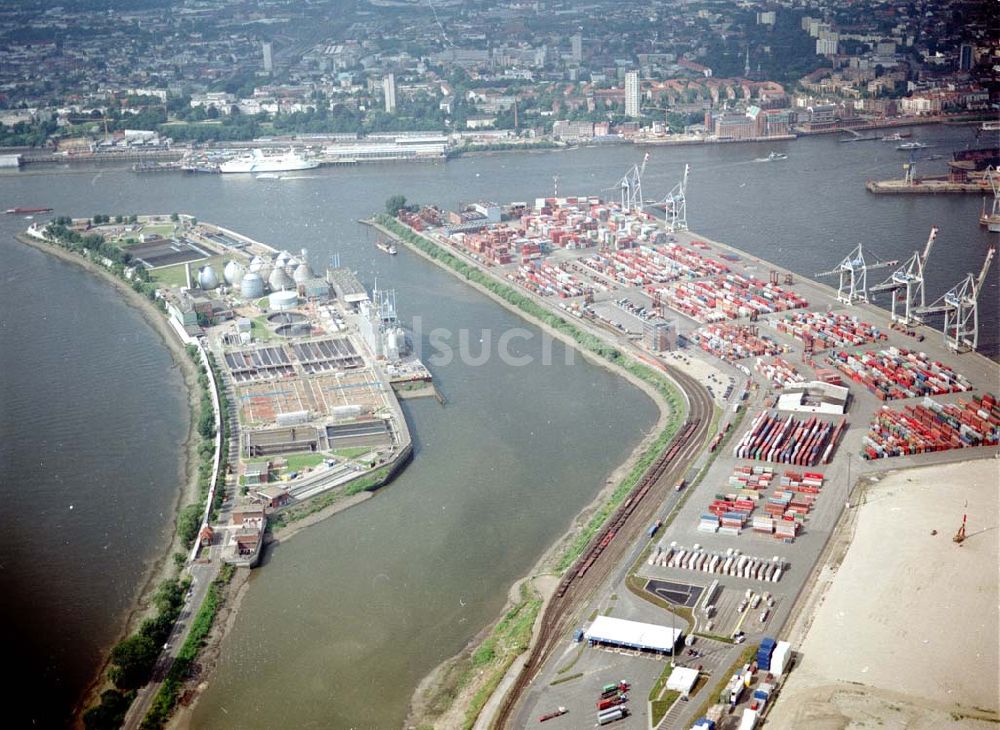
773 156
386 247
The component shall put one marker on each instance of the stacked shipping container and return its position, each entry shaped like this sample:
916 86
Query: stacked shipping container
933 426
824 330
899 373
734 342
790 440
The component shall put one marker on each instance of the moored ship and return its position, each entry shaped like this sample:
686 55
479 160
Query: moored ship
257 161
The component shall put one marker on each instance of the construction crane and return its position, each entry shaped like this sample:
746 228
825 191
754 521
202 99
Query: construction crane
853 272
630 187
906 284
675 205
992 219
960 307
107 135
666 112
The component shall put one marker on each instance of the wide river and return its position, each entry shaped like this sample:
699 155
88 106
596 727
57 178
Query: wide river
344 619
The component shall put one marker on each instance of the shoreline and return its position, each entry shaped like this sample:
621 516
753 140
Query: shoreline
161 567
542 568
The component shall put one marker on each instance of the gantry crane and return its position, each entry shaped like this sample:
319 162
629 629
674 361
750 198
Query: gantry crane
630 187
853 272
906 284
992 219
960 307
675 205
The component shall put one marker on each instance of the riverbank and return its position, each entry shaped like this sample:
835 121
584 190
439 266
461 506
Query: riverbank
446 695
164 567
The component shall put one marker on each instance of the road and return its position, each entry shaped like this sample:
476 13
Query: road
202 575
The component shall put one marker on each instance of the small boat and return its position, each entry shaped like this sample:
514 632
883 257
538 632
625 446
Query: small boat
269 176
773 156
896 136
385 247
23 211
912 146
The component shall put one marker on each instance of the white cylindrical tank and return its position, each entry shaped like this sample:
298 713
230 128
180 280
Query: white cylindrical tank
279 301
207 278
252 286
256 264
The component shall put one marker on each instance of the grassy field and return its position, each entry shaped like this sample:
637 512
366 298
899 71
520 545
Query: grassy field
161 229
298 462
260 331
174 275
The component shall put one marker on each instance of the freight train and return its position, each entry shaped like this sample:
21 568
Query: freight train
622 514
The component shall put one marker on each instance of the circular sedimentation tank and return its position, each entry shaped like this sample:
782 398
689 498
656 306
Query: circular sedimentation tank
287 318
299 329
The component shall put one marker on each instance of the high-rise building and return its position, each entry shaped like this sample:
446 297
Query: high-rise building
268 61
576 43
632 94
965 57
389 89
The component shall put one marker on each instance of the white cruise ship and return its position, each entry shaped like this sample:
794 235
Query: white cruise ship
257 161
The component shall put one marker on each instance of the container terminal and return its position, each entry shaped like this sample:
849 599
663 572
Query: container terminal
812 389
308 363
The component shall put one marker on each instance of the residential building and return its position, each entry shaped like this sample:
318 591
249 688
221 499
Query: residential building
632 94
389 90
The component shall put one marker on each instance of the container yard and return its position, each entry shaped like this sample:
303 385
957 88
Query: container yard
777 371
789 440
613 272
898 373
826 330
749 502
728 296
931 426
732 342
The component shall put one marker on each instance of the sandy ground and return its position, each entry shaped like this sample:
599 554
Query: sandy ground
163 567
907 632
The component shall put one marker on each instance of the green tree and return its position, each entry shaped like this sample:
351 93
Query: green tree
395 204
132 661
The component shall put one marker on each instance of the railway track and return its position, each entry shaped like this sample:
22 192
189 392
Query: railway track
611 545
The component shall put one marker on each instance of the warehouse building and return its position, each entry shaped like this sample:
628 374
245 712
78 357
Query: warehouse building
609 631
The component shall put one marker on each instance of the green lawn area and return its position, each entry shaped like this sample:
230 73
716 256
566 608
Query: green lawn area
353 452
298 462
174 275
259 330
161 229
661 706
